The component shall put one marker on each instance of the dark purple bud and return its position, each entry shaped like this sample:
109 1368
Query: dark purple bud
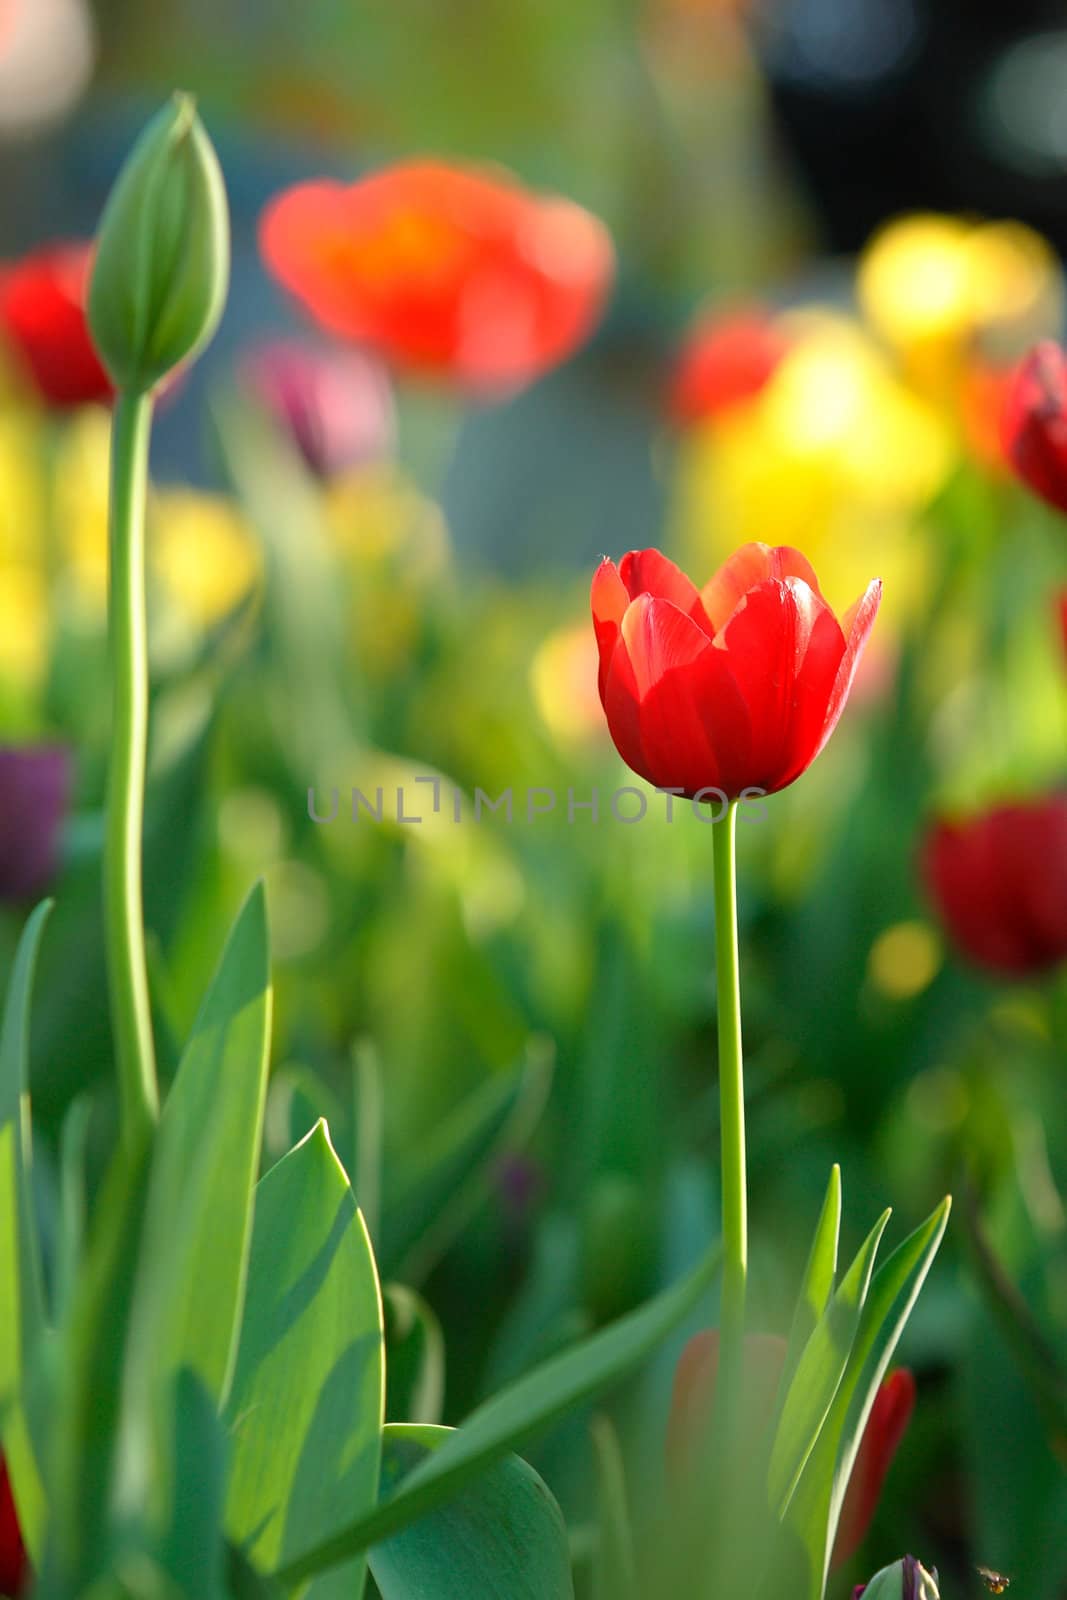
335 405
35 783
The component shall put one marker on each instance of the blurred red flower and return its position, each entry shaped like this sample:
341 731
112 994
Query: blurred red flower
694 1397
14 1568
446 270
999 883
1034 423
42 317
725 360
735 686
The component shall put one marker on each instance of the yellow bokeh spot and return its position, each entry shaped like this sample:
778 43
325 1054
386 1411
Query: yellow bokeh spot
23 622
563 677
202 553
835 456
904 960
936 287
81 500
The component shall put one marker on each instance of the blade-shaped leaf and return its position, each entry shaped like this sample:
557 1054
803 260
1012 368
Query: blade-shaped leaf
819 1276
207 1159
306 1408
516 1415
819 1372
801 1559
502 1535
22 1319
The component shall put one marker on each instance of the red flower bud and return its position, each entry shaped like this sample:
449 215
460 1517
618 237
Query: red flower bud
999 883
14 1568
42 317
445 270
1034 423
725 360
735 686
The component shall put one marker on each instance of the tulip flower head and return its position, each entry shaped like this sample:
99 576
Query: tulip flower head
906 1579
14 1568
1034 423
999 883
445 270
693 1400
43 319
733 687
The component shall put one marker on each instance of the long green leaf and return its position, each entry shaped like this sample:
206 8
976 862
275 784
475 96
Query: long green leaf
615 1568
519 1413
306 1409
819 1373
22 1319
801 1558
819 1276
502 1535
207 1159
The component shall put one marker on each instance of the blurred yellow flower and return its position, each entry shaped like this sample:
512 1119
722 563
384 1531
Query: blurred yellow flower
20 488
563 676
202 552
23 623
938 288
378 515
81 495
834 455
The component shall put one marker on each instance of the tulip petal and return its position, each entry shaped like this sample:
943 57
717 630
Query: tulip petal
784 646
609 600
651 572
856 626
671 702
752 564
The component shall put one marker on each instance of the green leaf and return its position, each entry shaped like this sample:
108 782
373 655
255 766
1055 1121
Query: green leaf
415 1357
21 1284
819 1276
615 1571
519 1413
450 1177
503 1535
102 1433
306 1408
191 1551
801 1558
207 1160
819 1372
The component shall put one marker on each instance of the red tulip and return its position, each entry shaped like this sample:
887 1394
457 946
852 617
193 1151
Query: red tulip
735 686
999 882
446 270
42 317
726 360
694 1398
1034 423
14 1568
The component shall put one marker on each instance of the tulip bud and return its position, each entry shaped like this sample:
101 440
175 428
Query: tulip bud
906 1579
163 252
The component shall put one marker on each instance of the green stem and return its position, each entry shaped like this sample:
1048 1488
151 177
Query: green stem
128 633
731 1108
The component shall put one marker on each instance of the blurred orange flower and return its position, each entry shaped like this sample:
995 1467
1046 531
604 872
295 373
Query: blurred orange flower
450 271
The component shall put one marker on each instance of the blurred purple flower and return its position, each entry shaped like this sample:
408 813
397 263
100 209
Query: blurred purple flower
520 1182
335 405
35 783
